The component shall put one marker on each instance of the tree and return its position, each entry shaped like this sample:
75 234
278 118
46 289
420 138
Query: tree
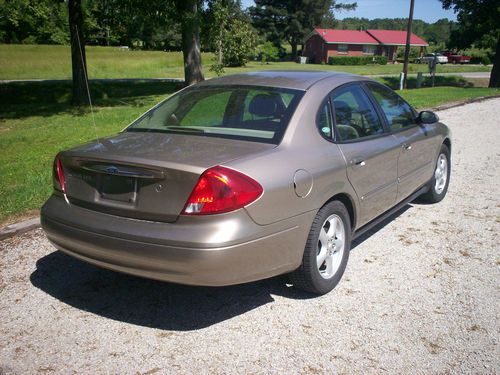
329 21
132 23
78 59
291 20
190 29
478 25
34 21
232 37
240 44
268 52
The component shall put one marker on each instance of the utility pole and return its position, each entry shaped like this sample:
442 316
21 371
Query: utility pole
408 42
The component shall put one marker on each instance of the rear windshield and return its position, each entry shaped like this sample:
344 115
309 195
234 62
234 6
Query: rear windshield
252 113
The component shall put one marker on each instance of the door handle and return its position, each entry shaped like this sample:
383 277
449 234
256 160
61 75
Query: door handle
407 147
358 162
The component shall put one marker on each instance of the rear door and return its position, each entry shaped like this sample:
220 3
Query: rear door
371 153
415 161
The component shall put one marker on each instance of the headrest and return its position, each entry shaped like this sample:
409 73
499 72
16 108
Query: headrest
264 105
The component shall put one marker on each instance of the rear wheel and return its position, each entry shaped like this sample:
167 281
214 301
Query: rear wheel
438 186
326 252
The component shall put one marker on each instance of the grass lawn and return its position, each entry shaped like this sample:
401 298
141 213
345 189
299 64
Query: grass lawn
54 62
433 97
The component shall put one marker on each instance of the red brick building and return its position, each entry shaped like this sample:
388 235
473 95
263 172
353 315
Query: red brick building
323 43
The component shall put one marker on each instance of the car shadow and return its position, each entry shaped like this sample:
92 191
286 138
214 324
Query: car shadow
380 225
47 98
157 304
449 81
151 303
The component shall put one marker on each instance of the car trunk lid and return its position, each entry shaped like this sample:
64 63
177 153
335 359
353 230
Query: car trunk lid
145 176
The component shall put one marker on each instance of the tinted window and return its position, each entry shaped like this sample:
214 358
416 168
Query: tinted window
248 113
212 107
355 116
399 114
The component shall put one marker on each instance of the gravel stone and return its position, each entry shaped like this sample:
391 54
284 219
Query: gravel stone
421 294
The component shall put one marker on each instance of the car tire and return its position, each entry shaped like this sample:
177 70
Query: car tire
438 185
329 239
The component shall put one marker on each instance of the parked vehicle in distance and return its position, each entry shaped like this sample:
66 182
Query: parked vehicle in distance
430 56
248 176
456 58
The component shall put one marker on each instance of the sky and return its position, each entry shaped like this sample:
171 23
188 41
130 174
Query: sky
427 10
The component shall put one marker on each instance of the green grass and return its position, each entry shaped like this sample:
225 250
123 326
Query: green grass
36 121
54 62
433 97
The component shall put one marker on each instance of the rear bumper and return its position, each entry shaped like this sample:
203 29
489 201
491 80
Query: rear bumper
213 250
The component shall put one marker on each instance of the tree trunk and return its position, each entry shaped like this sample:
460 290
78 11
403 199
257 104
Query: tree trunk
495 72
220 56
294 43
190 25
78 59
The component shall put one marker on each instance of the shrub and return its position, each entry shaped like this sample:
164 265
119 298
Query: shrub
357 60
268 52
380 60
217 68
239 44
480 59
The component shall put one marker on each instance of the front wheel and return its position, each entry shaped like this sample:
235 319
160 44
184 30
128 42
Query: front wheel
438 186
326 252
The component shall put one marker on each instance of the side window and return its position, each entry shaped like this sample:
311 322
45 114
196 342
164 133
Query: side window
355 116
399 114
343 48
324 121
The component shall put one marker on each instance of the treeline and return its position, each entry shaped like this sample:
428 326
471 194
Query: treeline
152 25
148 25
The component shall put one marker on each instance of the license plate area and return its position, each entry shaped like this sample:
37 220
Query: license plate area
118 189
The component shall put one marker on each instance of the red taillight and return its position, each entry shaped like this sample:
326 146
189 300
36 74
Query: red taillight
59 174
221 189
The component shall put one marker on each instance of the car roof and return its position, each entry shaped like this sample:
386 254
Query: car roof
299 80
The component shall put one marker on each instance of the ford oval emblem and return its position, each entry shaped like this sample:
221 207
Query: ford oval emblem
112 170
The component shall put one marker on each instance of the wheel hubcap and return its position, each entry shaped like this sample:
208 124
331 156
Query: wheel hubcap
441 173
330 246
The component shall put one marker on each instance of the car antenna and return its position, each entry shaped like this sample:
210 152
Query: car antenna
87 83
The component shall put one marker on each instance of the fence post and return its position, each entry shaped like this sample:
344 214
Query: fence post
401 80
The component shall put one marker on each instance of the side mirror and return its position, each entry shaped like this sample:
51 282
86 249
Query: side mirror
427 117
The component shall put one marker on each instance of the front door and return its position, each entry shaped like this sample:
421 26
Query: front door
415 164
415 161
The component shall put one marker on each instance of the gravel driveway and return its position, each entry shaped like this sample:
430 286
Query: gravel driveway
421 294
